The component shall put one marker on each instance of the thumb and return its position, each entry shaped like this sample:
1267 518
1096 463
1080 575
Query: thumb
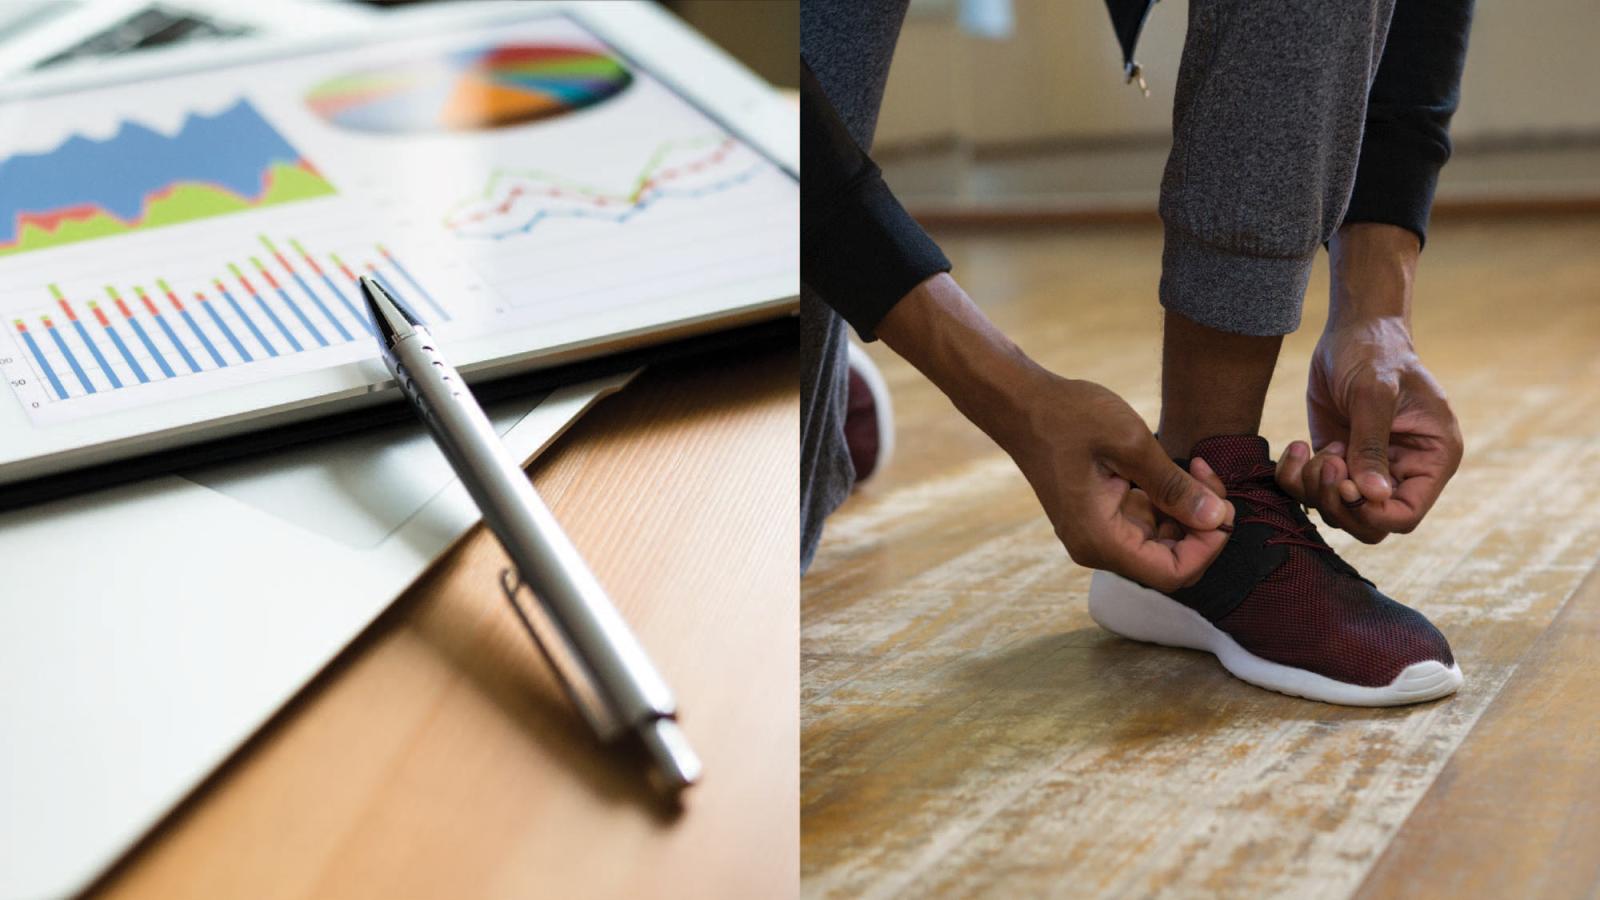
1207 476
1371 417
1174 491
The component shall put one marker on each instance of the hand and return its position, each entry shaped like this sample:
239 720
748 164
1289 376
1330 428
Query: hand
1387 441
1083 451
1080 446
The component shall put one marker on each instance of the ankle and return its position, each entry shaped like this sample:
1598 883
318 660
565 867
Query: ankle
1212 382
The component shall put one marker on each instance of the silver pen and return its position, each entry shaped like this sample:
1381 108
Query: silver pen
599 661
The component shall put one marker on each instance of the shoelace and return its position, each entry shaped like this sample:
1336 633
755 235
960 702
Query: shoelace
1260 487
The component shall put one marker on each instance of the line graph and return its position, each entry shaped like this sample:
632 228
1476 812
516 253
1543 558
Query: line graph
139 179
516 201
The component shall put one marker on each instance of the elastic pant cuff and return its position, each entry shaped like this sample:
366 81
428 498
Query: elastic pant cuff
1254 295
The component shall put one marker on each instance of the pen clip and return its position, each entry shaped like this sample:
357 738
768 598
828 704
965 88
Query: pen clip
570 671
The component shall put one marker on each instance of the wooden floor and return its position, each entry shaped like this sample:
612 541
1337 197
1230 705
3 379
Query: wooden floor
967 730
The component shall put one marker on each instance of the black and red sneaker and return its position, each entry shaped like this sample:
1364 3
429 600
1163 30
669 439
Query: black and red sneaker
1279 609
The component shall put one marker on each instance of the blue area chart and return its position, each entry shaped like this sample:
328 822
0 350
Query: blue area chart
112 182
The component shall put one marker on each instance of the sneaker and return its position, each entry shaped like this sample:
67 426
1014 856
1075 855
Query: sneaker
868 417
1279 608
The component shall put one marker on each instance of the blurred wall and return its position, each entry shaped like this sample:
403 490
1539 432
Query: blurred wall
1533 73
763 34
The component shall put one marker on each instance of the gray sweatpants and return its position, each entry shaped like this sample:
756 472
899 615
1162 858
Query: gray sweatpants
1266 132
849 44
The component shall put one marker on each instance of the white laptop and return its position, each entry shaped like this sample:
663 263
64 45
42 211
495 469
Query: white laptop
542 183
210 598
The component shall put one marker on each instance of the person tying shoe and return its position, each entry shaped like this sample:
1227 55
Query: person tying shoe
1294 126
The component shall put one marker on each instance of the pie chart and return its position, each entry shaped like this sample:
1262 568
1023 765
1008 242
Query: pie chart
475 90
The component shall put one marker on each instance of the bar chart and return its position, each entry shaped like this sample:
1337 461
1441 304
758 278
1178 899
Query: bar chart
277 298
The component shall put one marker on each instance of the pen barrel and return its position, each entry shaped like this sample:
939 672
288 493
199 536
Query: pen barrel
598 648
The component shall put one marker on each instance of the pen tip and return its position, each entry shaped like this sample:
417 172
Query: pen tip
371 289
394 321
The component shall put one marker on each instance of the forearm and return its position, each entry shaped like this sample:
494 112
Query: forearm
1373 268
1079 445
939 330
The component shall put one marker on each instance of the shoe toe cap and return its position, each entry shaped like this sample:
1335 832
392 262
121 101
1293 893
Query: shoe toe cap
1398 638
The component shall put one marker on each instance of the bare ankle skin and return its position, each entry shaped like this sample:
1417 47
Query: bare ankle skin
1212 382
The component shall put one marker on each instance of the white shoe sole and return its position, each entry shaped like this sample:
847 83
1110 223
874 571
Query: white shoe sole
1138 613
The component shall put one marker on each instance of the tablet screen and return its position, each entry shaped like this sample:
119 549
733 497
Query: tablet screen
174 238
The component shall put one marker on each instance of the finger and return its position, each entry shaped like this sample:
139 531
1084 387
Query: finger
1291 467
1336 494
1420 477
1195 553
1165 566
1207 476
1173 490
1311 478
1350 495
1168 530
1323 475
1312 474
1137 509
1332 474
1403 512
1372 412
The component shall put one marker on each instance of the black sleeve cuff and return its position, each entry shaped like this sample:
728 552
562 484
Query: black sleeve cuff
1395 179
1413 97
867 254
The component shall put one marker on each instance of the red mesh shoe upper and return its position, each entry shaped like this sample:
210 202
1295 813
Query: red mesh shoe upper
1311 610
861 427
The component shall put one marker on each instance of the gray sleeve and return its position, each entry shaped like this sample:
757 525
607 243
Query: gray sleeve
1266 132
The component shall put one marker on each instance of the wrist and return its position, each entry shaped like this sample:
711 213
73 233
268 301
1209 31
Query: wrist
939 330
1373 266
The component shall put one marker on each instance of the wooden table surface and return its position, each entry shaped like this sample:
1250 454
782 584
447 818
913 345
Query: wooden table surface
438 757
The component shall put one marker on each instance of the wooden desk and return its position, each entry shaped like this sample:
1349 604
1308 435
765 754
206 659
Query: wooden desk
438 757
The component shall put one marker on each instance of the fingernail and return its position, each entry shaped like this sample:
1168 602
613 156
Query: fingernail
1298 450
1348 492
1207 508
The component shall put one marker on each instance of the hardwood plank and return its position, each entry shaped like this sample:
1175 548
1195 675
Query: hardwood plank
1516 810
966 728
438 758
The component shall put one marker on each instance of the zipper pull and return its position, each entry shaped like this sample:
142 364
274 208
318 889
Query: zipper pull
1136 76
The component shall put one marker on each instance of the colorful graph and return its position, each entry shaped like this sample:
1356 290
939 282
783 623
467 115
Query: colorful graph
280 300
139 179
516 201
490 87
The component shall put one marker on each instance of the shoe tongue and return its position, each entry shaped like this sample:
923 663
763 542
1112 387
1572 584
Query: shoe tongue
1233 455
